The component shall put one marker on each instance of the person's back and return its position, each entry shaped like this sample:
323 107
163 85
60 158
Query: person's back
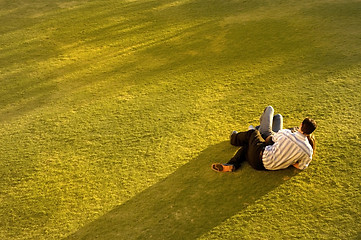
290 148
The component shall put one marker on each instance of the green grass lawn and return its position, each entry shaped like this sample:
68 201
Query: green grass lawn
111 113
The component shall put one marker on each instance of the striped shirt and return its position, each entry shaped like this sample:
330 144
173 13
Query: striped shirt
288 148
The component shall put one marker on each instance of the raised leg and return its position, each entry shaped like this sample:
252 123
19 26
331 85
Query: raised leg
266 122
277 123
252 144
241 138
255 149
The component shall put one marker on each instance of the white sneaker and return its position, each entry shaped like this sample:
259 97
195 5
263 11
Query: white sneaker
251 127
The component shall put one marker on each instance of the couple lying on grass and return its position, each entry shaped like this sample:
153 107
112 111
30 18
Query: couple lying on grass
269 147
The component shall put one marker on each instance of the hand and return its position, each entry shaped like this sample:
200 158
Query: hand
296 165
269 140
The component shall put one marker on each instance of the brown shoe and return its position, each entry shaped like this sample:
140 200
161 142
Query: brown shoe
218 167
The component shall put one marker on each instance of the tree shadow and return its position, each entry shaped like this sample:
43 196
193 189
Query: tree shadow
189 202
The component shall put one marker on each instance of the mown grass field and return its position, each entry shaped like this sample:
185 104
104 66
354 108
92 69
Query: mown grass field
111 113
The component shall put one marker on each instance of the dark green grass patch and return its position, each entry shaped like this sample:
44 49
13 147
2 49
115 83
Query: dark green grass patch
112 112
188 202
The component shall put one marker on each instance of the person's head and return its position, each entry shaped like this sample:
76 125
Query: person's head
308 126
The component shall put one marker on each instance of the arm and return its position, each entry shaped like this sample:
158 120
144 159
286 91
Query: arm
279 134
303 163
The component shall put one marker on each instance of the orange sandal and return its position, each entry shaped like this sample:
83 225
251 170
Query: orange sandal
222 167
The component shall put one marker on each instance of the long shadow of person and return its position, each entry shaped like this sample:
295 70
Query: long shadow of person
189 202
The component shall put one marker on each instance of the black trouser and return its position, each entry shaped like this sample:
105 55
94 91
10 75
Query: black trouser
252 146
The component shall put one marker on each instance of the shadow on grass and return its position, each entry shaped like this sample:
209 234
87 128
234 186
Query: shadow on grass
188 203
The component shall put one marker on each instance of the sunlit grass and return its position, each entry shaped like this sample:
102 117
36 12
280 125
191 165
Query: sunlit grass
112 112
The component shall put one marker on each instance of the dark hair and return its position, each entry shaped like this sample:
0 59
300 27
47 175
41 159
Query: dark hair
308 126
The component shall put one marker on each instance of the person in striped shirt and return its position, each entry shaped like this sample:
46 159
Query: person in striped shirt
274 151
